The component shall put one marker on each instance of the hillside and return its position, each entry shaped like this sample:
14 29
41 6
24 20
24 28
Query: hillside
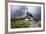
25 24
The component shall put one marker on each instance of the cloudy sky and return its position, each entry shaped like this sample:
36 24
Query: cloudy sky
20 11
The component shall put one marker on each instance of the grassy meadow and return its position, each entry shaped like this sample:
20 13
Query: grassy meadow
21 23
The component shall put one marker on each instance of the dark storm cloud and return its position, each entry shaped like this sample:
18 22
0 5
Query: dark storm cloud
20 11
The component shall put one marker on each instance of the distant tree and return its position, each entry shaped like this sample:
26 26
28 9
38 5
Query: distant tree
29 15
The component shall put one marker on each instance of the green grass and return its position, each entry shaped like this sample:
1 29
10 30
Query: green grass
19 24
